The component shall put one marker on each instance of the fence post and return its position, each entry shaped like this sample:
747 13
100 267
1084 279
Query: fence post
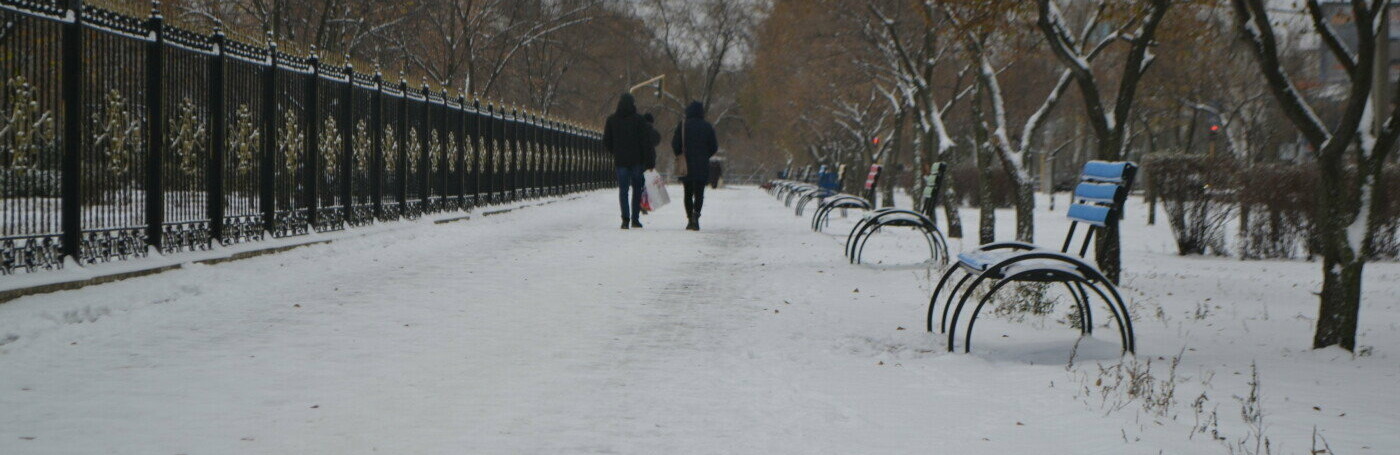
474 133
376 183
513 132
461 152
402 168
218 138
313 142
570 166
425 157
267 178
73 116
497 143
155 128
537 156
448 159
347 155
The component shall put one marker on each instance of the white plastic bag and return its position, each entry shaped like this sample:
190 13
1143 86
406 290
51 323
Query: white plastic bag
656 190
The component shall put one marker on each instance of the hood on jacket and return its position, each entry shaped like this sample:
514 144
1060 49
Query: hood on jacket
627 105
696 109
649 118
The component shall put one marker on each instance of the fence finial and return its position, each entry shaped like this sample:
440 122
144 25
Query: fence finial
155 9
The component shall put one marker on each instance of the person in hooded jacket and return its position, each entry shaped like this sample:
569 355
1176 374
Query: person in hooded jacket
695 142
653 141
627 136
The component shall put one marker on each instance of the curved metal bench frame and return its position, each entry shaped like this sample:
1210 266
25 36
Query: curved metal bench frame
891 217
822 217
1097 194
818 195
797 191
1085 278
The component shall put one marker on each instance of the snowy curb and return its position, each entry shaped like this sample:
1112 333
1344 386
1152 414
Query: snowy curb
73 276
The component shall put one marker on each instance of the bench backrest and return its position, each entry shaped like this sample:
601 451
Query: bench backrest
933 188
1098 199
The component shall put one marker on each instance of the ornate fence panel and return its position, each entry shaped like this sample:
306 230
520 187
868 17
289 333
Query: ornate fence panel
392 152
31 121
362 149
243 144
331 110
114 143
291 193
170 139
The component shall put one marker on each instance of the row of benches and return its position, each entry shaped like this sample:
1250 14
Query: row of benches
1098 202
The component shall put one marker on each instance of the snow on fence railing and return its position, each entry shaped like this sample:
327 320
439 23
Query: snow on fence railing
121 135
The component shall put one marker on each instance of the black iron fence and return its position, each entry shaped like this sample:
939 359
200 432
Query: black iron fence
121 135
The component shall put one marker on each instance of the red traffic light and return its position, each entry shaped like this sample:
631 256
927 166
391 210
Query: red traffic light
1215 128
875 141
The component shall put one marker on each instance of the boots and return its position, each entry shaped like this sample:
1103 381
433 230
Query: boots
625 223
636 224
694 224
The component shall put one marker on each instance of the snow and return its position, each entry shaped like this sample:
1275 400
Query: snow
549 330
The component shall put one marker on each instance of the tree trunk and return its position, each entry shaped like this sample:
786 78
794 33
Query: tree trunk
1245 248
986 203
891 170
950 209
1151 187
982 156
1341 304
1340 300
1025 213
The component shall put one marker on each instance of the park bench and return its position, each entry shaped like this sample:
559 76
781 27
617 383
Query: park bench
838 200
1098 203
822 217
922 220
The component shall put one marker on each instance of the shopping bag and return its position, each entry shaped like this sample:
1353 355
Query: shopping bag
656 190
646 202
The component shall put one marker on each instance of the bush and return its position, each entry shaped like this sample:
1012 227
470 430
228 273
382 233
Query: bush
1276 205
1197 192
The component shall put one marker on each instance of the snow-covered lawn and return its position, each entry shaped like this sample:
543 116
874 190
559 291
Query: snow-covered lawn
549 330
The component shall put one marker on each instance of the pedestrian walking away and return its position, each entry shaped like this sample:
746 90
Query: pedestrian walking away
649 154
695 142
627 136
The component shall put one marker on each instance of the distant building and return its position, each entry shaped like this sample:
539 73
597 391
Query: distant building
1340 17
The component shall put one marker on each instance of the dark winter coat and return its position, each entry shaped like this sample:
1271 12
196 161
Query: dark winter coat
626 134
654 141
700 143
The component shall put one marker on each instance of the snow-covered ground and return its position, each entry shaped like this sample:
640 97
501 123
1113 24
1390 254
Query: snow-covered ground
549 330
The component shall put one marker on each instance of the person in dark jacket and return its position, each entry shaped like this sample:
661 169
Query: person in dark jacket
654 141
626 137
695 142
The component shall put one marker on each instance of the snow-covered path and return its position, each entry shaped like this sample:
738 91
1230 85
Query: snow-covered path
549 330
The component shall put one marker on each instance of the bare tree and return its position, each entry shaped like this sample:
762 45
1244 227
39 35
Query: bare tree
911 63
1110 127
1350 154
1015 155
470 43
704 45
